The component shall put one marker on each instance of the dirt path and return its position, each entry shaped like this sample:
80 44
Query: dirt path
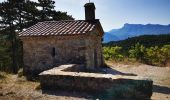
159 75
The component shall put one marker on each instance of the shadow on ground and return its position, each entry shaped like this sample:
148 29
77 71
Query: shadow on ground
115 72
161 89
103 70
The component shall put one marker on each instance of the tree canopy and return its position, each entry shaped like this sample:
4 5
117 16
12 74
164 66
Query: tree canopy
24 13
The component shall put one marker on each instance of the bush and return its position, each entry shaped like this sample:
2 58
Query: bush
113 53
137 52
166 52
158 56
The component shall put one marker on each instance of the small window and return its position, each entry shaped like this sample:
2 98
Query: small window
53 52
81 48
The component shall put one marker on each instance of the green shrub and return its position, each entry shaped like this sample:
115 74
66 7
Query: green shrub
113 53
158 56
166 52
137 52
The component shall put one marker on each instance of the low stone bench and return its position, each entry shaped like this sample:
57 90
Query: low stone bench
110 86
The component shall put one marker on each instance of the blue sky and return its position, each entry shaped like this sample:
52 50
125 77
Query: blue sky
115 13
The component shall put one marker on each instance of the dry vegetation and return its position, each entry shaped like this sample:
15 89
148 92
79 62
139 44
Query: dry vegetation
14 88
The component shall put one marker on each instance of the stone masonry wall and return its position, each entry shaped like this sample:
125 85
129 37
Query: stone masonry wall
39 52
110 86
94 52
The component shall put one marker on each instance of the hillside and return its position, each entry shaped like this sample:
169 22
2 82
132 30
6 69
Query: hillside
146 40
133 30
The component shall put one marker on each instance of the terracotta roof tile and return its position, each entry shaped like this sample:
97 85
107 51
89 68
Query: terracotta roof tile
75 27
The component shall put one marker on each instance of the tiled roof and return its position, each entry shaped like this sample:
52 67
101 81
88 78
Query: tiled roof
75 27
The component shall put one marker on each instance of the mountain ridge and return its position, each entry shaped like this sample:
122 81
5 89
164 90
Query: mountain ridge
133 30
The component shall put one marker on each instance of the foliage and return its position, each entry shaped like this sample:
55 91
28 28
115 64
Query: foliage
47 8
158 56
112 53
5 59
137 52
149 49
25 13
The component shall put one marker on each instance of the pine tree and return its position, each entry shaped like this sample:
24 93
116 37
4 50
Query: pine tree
8 19
47 7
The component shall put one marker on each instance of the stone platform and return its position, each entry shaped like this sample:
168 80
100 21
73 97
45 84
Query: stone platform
109 85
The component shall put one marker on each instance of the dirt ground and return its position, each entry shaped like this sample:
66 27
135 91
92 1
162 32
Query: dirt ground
14 88
159 75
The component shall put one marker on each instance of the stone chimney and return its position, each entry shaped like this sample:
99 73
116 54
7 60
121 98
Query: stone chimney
89 11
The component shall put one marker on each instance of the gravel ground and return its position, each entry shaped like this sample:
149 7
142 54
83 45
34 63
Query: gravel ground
159 75
14 88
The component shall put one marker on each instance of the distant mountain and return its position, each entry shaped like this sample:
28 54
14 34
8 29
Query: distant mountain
110 37
133 30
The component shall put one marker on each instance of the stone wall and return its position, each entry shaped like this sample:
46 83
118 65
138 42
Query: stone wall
39 52
105 85
94 52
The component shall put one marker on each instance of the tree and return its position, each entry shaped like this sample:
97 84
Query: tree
8 19
30 14
47 7
4 53
48 13
58 15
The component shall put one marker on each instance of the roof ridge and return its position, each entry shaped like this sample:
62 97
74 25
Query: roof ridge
64 21
70 21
